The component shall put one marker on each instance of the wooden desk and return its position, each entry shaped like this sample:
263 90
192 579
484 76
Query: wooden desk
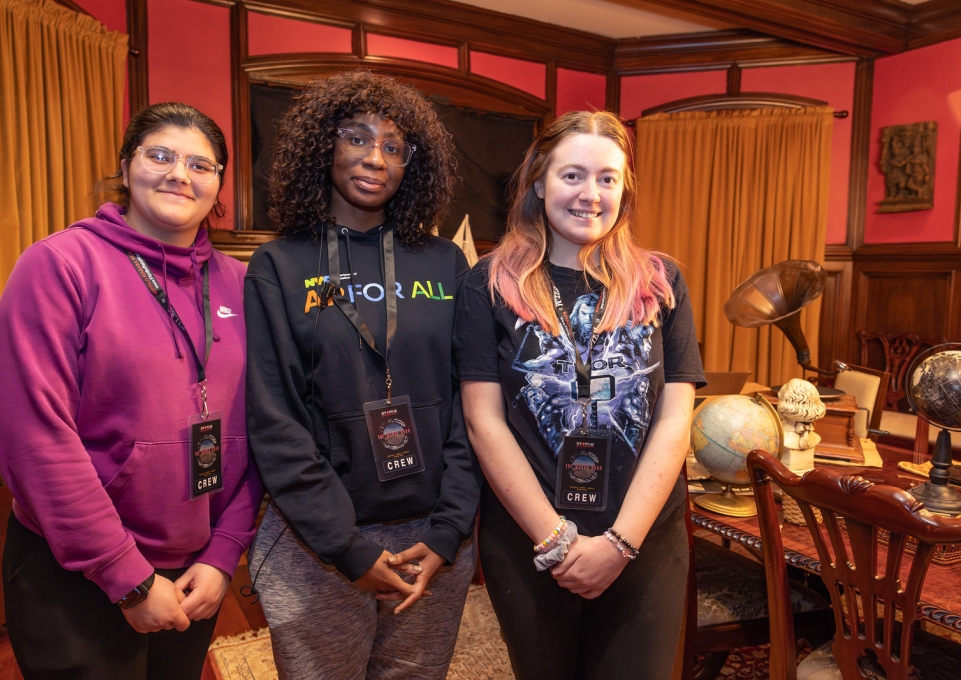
941 596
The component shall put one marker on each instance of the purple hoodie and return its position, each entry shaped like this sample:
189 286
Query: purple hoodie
98 384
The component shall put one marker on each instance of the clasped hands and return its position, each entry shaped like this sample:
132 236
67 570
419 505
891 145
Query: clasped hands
590 567
174 604
384 577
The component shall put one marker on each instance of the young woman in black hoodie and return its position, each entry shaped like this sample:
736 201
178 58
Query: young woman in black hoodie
353 411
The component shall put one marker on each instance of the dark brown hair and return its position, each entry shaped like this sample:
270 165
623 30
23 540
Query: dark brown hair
300 176
150 119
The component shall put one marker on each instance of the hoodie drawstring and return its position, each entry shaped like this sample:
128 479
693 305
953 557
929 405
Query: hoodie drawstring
170 321
350 269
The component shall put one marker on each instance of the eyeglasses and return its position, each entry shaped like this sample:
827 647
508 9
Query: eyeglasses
162 160
358 145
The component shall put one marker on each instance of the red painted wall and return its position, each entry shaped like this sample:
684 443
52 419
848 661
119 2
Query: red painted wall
577 90
268 34
643 92
200 75
916 86
833 83
400 48
110 13
529 76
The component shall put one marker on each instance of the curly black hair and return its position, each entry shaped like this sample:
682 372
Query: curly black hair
300 174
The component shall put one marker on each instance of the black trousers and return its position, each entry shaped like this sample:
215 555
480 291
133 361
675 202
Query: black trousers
630 631
62 626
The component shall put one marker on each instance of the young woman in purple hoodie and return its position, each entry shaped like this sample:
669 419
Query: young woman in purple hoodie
123 434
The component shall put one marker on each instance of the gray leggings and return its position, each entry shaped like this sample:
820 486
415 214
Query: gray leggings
323 626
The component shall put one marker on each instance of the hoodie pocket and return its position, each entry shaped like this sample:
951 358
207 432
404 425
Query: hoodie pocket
349 433
152 496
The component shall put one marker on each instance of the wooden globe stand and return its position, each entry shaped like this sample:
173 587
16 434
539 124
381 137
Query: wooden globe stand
936 494
727 503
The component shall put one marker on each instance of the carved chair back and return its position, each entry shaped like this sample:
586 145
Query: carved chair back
892 352
870 586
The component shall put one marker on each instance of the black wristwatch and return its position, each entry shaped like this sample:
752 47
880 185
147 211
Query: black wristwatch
137 595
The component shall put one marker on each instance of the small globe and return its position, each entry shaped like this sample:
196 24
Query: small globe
726 429
935 386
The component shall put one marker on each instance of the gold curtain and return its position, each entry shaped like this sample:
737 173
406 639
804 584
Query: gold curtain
727 193
61 119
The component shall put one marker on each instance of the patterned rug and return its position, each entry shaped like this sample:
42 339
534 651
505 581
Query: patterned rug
480 653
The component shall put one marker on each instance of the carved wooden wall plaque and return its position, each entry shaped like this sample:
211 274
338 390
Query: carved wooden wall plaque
907 161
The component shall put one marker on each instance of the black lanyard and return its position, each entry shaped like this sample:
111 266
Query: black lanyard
390 292
158 292
583 370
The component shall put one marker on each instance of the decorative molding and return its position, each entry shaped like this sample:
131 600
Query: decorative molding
733 80
240 244
713 50
455 23
745 100
860 152
240 94
934 21
862 28
137 77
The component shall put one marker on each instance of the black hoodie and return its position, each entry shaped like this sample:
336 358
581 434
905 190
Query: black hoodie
310 441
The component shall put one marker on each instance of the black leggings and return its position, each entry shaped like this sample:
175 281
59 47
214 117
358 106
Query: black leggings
630 631
62 626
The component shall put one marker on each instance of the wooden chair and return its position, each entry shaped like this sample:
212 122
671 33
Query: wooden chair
729 607
892 353
870 388
870 641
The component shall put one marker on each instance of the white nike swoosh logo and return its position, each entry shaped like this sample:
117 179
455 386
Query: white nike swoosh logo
221 314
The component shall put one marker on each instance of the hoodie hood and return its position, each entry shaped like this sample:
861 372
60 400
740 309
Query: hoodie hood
176 261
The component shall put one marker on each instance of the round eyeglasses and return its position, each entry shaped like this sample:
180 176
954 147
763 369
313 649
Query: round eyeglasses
162 160
358 144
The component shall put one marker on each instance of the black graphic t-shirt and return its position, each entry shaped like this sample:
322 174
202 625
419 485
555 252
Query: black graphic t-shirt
537 373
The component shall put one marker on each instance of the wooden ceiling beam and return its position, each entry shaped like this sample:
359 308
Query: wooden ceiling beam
451 21
933 22
865 28
714 49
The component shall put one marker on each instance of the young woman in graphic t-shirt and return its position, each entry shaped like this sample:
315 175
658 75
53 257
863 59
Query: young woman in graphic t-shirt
578 361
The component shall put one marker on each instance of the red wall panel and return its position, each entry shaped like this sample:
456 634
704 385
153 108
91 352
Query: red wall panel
916 86
833 83
198 75
267 34
529 76
388 46
577 90
643 92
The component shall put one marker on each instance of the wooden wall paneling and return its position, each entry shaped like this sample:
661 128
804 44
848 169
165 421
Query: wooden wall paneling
240 244
240 91
711 49
835 310
734 79
860 152
934 21
906 296
453 22
137 77
864 28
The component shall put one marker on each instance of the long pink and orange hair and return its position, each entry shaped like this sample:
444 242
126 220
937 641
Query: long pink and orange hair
635 278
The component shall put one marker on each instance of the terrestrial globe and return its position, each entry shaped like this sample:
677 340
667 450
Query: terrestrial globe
724 431
933 390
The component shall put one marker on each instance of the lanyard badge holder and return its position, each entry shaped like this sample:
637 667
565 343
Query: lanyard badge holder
390 421
206 445
583 464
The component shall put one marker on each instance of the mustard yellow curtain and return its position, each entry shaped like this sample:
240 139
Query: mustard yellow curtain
61 118
727 193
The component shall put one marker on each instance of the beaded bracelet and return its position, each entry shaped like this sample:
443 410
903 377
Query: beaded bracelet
625 552
623 540
545 545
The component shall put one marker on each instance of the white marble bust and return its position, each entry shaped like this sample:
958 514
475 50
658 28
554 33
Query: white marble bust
799 406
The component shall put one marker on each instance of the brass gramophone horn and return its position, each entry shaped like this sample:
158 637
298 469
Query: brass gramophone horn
776 295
